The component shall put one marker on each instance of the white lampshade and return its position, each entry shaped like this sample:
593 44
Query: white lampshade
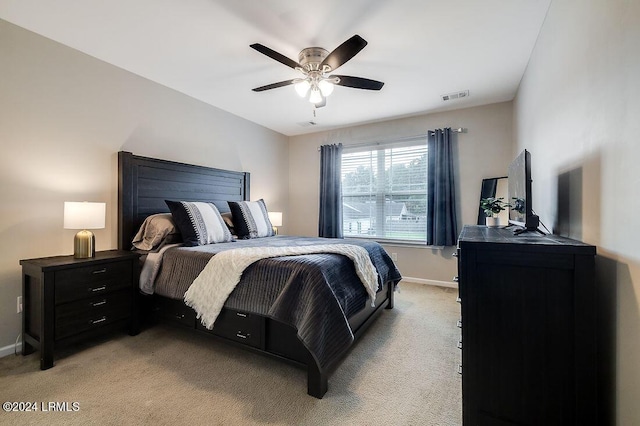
302 87
275 218
326 87
315 97
84 215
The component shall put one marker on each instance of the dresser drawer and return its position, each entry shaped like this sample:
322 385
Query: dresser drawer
72 318
88 281
238 326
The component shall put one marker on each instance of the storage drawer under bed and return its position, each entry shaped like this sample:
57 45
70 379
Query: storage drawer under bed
174 311
238 326
234 325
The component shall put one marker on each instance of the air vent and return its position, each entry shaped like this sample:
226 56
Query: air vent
307 123
455 95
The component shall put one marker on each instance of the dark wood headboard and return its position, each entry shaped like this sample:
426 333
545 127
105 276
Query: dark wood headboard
144 183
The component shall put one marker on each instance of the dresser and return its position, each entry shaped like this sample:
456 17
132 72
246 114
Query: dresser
67 299
528 320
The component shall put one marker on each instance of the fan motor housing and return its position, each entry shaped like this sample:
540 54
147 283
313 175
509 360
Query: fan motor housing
311 57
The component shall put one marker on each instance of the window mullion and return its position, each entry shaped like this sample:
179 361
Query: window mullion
380 196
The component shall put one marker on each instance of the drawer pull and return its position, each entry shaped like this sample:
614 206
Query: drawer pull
240 314
459 344
459 323
242 336
96 289
460 369
98 321
100 271
100 303
455 279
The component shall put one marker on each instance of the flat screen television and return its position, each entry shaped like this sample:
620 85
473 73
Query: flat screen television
521 210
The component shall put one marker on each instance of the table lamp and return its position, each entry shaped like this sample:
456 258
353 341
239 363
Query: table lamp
276 220
84 216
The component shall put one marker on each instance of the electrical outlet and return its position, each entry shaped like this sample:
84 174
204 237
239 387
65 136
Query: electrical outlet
19 303
394 257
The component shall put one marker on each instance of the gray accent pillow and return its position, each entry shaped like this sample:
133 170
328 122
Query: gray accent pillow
228 220
155 231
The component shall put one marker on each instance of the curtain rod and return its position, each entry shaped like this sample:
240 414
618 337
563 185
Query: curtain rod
457 130
402 139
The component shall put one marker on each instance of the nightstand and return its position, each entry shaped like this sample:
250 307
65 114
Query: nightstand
67 299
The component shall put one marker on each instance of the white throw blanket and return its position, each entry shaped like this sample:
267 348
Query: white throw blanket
220 276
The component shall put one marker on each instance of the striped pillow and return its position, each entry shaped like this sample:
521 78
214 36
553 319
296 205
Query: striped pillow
250 219
199 223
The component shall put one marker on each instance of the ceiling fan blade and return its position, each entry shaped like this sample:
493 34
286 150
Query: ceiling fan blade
358 82
275 55
273 86
344 52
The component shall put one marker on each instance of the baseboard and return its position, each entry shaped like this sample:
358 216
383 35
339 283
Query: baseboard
10 349
424 281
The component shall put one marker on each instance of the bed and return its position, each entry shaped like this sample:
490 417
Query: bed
307 310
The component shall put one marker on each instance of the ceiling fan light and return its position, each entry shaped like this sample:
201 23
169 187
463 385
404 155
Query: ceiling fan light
326 87
302 88
315 96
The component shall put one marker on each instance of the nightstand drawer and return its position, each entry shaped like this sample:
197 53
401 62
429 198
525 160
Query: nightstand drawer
238 326
74 317
89 281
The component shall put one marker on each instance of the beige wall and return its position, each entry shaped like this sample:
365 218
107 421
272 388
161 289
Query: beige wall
484 151
64 116
578 112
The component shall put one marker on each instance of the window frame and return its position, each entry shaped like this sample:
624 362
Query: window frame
382 192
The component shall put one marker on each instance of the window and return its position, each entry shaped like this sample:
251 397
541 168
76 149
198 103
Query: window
384 191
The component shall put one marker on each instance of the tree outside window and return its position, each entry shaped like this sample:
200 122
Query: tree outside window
384 192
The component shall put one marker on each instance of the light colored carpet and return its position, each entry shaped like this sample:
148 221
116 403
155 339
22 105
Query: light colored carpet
402 372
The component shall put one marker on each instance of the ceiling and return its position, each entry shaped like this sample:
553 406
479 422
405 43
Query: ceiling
421 49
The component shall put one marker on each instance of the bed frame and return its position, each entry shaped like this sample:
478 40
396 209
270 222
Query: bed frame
143 185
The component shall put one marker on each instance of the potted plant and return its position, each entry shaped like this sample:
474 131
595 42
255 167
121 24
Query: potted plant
492 207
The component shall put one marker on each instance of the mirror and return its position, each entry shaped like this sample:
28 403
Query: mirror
494 187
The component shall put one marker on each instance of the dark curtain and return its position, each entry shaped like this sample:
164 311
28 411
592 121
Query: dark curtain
330 224
442 223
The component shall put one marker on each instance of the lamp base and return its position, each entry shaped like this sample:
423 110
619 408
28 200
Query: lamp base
84 245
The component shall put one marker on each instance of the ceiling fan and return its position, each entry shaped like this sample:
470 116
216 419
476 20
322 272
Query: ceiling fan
316 64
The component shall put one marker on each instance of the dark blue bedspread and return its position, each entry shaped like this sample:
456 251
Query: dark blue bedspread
315 293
